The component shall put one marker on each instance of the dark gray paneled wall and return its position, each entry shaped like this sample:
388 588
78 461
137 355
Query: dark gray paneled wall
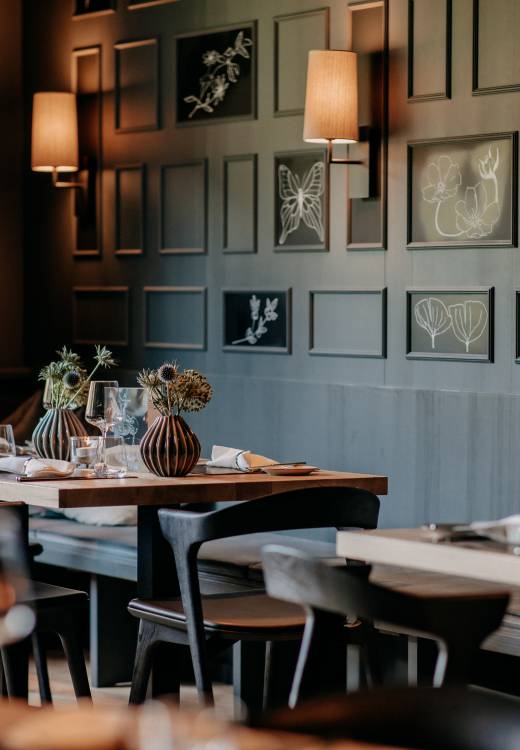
445 432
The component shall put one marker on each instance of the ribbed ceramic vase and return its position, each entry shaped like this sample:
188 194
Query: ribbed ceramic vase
52 433
170 448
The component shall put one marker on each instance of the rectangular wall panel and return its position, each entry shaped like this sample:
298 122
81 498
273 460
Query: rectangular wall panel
86 83
348 322
240 204
137 67
429 49
496 30
101 315
367 217
175 317
183 206
295 35
130 209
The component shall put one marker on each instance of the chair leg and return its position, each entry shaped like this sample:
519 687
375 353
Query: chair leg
143 662
75 661
281 658
16 669
167 680
454 663
40 661
3 682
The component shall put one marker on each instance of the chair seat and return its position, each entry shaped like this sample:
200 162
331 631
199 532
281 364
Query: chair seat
44 595
234 613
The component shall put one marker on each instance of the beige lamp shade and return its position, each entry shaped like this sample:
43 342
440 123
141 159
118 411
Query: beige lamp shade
331 101
54 132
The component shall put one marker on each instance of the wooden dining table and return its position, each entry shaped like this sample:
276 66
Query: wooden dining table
156 576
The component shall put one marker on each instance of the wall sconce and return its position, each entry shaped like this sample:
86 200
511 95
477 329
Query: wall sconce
331 111
55 142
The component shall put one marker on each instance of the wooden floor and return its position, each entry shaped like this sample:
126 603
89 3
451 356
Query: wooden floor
62 691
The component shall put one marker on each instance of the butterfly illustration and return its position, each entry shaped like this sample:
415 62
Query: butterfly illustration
301 200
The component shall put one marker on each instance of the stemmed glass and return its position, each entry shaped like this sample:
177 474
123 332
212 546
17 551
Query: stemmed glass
127 409
98 416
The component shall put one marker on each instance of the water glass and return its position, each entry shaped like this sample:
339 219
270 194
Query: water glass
85 452
7 444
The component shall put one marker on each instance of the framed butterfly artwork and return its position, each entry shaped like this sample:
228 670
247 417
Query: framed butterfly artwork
301 201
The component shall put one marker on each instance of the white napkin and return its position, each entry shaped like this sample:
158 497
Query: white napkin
235 458
504 530
37 468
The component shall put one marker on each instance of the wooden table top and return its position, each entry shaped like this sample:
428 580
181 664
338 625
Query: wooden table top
197 488
418 549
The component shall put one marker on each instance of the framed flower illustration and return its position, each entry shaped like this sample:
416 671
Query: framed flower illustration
463 191
257 320
216 75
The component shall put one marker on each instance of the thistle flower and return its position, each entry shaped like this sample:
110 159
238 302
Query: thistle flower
71 379
104 357
167 372
174 391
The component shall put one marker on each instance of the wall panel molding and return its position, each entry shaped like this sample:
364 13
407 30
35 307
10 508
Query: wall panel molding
240 209
295 66
179 317
379 324
507 36
104 318
137 85
414 18
130 209
184 208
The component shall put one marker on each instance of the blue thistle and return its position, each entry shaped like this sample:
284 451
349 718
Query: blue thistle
167 372
71 379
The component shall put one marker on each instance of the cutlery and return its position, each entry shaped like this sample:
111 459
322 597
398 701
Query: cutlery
285 463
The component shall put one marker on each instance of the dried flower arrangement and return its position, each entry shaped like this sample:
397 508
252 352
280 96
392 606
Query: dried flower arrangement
173 390
69 380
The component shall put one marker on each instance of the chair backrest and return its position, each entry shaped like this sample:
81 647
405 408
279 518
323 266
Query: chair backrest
419 718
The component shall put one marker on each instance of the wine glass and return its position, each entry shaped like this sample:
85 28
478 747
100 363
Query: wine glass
127 409
96 415
7 443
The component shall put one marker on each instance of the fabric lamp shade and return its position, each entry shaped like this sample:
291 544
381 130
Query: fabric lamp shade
54 132
331 101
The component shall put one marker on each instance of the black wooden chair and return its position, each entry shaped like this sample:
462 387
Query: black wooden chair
59 611
450 718
330 594
212 623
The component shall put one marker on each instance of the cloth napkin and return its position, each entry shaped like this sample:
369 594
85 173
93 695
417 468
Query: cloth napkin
235 458
504 530
37 468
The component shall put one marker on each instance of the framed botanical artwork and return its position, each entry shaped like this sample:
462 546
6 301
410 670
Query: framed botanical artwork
216 75
257 320
301 201
451 324
89 8
463 191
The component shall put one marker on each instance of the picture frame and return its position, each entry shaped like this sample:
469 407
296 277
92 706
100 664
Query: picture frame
462 191
142 4
450 323
91 8
301 226
216 75
257 320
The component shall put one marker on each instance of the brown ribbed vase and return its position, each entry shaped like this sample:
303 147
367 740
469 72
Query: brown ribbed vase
170 448
52 433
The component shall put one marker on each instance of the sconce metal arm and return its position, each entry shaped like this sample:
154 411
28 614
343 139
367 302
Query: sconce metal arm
332 160
65 183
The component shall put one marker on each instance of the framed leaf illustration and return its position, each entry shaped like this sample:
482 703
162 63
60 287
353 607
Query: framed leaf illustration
257 320
453 324
216 75
463 191
301 201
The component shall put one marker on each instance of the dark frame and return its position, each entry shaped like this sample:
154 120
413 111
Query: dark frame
517 331
446 94
318 247
254 75
325 11
287 349
368 354
474 244
383 146
117 194
77 290
478 90
92 14
490 291
253 158
183 250
142 4
203 291
132 44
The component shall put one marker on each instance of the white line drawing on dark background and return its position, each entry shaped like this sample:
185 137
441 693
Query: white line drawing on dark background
467 320
301 200
258 321
476 214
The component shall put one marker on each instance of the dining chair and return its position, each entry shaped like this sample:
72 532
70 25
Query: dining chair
212 623
426 718
58 611
459 623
